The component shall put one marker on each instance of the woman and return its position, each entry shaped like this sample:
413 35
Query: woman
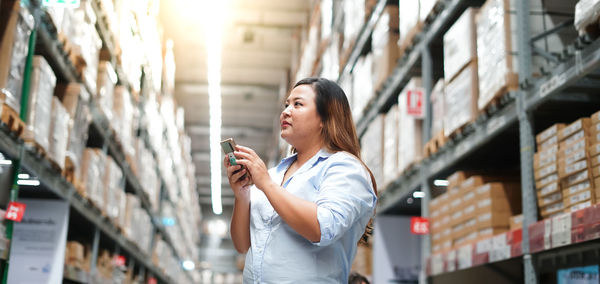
301 221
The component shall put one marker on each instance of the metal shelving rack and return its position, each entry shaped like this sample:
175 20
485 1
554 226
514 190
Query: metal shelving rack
52 179
580 60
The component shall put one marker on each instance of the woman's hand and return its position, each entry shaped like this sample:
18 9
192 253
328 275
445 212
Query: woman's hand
256 167
239 179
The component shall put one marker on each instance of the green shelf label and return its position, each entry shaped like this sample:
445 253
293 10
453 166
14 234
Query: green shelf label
61 3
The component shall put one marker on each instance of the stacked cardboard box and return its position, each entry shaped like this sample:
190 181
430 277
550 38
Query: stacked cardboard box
75 255
497 42
385 45
412 14
92 170
372 149
410 128
107 79
40 103
14 46
122 122
437 108
75 98
363 88
474 207
460 73
545 164
113 185
354 18
390 146
59 133
105 265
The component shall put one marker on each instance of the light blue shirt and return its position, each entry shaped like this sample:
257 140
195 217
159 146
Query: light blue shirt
341 187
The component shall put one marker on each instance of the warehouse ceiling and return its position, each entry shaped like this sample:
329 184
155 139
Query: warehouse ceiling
256 56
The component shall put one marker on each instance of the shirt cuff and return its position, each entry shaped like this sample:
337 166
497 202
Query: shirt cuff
325 218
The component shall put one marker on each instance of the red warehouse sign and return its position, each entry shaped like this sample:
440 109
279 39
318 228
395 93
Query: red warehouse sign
419 225
414 103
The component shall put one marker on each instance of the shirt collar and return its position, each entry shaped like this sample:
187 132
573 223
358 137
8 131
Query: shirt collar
285 162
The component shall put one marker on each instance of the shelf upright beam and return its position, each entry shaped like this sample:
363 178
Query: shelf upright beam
526 136
95 248
427 79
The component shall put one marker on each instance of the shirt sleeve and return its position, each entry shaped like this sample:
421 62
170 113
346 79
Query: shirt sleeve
345 197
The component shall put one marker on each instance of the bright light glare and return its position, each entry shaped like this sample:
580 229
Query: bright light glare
189 265
5 162
31 182
440 182
23 176
213 31
418 194
217 227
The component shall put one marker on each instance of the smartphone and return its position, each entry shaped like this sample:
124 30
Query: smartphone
228 146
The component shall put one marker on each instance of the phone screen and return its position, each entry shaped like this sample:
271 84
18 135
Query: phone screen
227 147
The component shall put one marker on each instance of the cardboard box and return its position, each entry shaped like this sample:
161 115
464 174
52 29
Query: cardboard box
491 231
567 150
470 211
74 254
595 117
546 156
582 196
549 133
546 181
460 44
549 189
549 143
437 108
384 42
596 172
594 128
581 206
573 158
458 177
546 171
461 99
578 188
550 199
594 150
515 222
469 197
410 128
493 219
549 210
577 178
580 124
574 138
565 170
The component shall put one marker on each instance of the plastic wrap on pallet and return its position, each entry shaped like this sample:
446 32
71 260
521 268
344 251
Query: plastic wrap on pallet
14 46
89 42
354 15
107 79
91 172
331 59
40 103
123 119
461 100
409 13
149 180
587 12
77 104
384 44
410 129
438 107
112 180
363 89
372 148
59 133
346 83
132 202
326 18
122 205
460 44
390 145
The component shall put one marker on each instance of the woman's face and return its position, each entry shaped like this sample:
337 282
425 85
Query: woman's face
300 121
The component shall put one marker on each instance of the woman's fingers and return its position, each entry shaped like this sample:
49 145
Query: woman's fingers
232 169
236 177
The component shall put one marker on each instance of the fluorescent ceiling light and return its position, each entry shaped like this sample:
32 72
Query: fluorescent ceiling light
214 19
23 176
31 182
5 162
418 194
440 182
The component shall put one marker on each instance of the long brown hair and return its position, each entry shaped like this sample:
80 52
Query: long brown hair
338 132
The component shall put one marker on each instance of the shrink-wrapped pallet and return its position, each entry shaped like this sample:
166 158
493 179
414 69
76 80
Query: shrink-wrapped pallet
39 106
107 78
410 128
59 133
461 100
14 47
372 148
390 145
437 108
113 182
384 43
75 99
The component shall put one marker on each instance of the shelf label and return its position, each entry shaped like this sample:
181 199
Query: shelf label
152 280
414 102
119 261
552 84
15 211
61 3
419 225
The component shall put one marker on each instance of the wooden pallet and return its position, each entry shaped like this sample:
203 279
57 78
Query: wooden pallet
73 52
408 41
11 118
434 145
38 149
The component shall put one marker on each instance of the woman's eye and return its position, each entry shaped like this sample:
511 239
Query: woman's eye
286 105
297 104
